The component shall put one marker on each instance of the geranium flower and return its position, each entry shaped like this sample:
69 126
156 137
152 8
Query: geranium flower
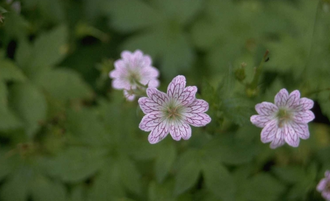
173 112
324 186
284 121
132 72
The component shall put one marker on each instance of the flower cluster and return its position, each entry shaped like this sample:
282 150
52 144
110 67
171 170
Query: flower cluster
133 73
324 186
284 121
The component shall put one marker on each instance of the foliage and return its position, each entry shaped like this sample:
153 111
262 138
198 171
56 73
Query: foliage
66 135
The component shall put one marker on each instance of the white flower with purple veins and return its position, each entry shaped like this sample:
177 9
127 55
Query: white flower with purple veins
173 112
132 72
284 121
324 186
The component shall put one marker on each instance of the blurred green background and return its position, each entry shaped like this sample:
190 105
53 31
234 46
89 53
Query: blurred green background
65 134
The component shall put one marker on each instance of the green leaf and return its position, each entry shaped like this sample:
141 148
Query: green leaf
10 72
168 42
107 184
188 170
268 188
129 175
5 168
290 174
161 192
76 164
164 161
16 187
135 16
78 194
23 54
85 127
44 189
30 105
218 180
63 84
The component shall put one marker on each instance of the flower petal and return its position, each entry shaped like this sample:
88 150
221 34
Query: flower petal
126 55
278 139
197 119
268 133
303 117
305 104
266 108
188 95
120 84
147 105
129 96
157 96
322 184
293 99
180 130
198 106
158 133
301 130
290 136
260 120
150 121
281 98
176 87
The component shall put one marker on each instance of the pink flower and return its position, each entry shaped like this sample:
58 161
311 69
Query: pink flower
132 72
284 121
173 112
324 186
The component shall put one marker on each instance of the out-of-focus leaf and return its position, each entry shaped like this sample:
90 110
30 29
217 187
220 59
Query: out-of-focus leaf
188 170
129 175
78 194
164 161
268 188
63 84
161 192
218 180
10 72
107 184
44 189
237 110
30 105
5 168
290 174
129 15
169 43
15 26
17 186
76 164
86 128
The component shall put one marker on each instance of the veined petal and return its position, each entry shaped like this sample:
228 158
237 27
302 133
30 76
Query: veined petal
293 99
120 84
290 136
188 95
281 98
197 119
260 120
147 105
266 108
180 130
150 121
268 133
158 133
303 117
157 96
198 106
301 130
278 139
305 104
176 87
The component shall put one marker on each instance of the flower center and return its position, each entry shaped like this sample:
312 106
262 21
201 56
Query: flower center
173 111
133 77
283 116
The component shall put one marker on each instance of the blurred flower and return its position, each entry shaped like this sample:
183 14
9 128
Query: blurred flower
172 112
133 72
284 121
324 186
